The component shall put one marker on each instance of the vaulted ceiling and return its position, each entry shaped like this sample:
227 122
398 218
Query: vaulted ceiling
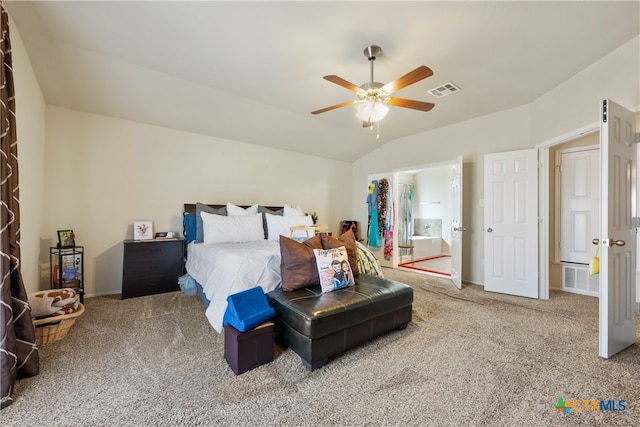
252 71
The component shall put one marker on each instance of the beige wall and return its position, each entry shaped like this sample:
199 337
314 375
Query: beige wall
570 106
104 173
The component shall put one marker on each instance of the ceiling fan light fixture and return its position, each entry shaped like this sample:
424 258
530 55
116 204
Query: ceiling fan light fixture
371 111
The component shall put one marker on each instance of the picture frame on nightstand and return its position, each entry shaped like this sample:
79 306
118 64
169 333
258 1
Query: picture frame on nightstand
66 239
142 230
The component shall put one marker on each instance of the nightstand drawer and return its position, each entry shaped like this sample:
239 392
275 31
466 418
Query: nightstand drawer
149 286
152 267
136 251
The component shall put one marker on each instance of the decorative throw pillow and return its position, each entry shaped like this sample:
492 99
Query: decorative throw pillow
367 261
189 227
201 207
333 268
347 240
233 210
289 211
281 225
232 229
298 263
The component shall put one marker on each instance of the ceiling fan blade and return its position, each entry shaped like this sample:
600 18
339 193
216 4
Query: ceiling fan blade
342 82
333 107
409 103
422 72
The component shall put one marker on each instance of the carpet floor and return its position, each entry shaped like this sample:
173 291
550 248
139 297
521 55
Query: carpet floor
468 357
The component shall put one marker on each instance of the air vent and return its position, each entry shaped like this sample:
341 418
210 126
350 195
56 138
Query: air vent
444 90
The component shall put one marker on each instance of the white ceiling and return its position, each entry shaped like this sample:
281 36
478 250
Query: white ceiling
252 71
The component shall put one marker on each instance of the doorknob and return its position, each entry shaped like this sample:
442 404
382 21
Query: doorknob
611 242
489 230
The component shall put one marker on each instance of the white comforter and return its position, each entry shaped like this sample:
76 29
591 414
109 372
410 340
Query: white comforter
223 269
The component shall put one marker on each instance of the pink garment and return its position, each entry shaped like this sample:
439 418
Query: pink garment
388 244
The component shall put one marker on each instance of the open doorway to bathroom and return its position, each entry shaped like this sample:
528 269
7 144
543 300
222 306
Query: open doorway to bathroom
424 232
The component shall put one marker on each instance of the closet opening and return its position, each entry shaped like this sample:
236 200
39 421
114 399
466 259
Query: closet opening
574 214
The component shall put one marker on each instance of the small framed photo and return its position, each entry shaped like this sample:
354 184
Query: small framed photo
66 239
142 230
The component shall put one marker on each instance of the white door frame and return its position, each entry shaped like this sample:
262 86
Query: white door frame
544 202
457 161
543 196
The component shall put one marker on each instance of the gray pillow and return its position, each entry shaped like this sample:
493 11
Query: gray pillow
201 207
263 210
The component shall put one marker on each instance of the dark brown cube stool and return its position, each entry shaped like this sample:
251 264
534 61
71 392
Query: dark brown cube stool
247 350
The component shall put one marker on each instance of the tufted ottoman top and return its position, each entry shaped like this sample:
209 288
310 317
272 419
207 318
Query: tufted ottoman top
314 314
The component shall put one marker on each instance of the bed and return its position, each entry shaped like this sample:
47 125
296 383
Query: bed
222 266
225 269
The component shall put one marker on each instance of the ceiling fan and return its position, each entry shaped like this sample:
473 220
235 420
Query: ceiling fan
373 97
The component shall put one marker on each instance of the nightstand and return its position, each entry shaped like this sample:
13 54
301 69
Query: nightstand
67 269
151 266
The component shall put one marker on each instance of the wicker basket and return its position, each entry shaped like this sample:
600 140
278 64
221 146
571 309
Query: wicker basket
52 329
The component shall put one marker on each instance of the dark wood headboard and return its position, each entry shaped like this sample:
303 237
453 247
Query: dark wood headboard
191 207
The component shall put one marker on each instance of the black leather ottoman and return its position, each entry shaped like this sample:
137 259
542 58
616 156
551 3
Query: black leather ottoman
317 326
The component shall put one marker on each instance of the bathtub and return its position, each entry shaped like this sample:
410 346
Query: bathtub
426 246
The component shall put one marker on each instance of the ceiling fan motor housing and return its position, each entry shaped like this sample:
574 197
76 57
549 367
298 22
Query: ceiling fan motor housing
373 90
372 51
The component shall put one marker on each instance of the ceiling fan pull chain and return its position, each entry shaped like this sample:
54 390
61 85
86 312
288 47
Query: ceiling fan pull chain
378 129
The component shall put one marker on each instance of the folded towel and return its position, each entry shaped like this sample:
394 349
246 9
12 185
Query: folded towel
54 302
41 306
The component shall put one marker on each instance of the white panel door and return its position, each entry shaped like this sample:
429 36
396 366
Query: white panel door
617 329
456 223
511 223
580 204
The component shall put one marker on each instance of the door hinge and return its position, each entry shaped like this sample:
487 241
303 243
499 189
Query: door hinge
635 222
637 137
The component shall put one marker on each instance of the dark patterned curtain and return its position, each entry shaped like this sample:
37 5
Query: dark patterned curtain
18 351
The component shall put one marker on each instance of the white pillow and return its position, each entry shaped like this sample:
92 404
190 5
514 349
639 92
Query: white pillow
289 211
233 210
281 225
232 229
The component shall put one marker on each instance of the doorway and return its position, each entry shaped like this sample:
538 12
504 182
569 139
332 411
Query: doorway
428 200
574 200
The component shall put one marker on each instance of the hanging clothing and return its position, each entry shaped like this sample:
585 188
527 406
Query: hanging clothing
374 230
383 188
373 227
372 196
388 227
388 244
